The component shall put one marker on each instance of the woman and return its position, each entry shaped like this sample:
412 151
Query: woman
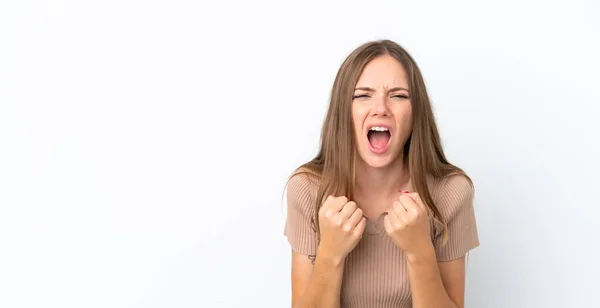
379 218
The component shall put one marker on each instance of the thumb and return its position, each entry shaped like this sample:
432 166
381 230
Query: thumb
417 199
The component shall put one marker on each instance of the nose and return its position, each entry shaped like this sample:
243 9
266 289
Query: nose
381 108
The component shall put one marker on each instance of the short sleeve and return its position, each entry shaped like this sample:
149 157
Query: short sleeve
299 230
455 202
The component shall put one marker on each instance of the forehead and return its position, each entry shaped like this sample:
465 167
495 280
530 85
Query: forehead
384 71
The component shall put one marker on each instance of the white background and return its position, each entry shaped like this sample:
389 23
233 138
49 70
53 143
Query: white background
144 145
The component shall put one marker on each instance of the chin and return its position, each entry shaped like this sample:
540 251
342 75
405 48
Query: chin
377 161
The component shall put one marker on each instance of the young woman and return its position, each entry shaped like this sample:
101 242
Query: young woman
379 218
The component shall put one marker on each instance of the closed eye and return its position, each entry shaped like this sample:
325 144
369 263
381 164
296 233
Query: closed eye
400 96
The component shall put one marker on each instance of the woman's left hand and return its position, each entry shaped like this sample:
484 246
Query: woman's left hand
407 223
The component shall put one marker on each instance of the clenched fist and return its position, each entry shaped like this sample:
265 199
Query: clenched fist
407 223
341 224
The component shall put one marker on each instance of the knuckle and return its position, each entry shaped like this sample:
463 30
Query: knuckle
327 213
397 207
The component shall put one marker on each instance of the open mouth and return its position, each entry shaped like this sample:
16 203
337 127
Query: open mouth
379 139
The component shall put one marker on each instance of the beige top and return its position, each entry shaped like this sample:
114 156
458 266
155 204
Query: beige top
375 272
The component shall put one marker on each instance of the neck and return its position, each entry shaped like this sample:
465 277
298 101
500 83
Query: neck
381 182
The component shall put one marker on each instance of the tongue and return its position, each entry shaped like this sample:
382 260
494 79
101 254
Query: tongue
379 139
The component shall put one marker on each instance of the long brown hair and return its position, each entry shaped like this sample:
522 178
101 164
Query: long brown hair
333 166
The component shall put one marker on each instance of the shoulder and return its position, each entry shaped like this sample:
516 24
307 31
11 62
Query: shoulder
302 181
452 192
300 225
302 190
457 184
458 233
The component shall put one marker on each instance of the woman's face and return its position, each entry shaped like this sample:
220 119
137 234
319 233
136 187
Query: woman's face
381 111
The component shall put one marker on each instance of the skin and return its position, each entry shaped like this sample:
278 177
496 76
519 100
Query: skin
381 96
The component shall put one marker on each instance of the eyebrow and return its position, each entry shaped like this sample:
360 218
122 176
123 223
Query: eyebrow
390 90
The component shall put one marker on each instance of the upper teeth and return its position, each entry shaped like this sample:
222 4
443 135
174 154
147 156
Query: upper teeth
379 128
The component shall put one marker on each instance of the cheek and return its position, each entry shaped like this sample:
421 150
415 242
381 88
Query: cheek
404 118
407 112
358 116
407 118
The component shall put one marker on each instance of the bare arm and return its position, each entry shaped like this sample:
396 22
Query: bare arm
433 284
436 284
341 224
317 285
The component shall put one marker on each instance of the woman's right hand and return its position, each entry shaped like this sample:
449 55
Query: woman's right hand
341 224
